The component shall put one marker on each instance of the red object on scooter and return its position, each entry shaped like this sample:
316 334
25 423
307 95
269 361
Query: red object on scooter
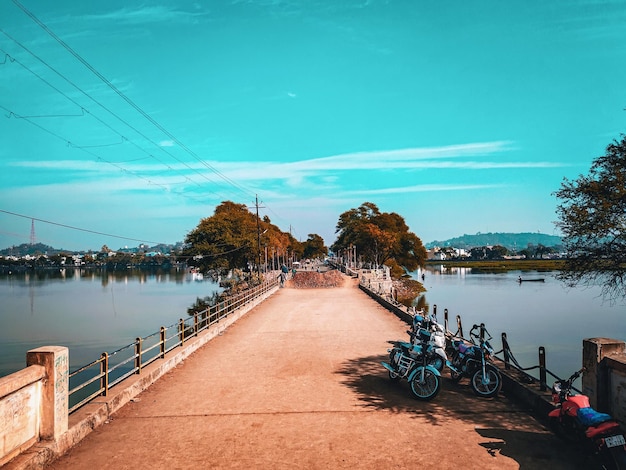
575 419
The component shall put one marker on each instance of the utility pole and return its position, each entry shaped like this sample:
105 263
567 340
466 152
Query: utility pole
258 236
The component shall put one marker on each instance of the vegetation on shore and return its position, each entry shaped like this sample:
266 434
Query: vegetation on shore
504 264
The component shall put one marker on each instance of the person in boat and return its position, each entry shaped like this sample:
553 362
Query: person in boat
519 279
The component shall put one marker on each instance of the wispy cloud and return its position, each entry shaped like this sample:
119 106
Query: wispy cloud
422 188
454 157
446 157
146 14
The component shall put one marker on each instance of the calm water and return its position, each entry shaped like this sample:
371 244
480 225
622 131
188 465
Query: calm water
532 314
90 312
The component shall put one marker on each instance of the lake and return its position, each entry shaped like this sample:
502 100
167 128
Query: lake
532 314
89 311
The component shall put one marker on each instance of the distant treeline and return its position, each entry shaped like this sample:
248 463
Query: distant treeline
512 241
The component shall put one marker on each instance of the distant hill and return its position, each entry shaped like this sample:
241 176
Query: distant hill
41 249
28 249
512 241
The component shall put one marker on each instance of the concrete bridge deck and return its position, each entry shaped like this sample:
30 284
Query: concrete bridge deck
296 383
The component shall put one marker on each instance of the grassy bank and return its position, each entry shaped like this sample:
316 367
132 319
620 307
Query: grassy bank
504 265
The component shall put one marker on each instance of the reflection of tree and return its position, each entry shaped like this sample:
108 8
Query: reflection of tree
202 304
421 304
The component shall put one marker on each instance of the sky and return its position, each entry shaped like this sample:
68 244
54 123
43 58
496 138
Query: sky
127 122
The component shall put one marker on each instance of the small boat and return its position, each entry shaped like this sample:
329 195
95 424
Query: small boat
540 279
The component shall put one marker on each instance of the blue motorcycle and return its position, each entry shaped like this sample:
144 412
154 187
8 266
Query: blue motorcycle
409 361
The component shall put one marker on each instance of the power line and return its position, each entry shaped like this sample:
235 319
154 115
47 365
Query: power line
127 99
84 110
131 103
81 229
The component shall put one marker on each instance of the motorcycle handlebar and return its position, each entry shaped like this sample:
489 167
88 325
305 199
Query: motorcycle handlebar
486 334
576 374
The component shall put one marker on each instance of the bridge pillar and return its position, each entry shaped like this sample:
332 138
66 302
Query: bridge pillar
596 378
55 390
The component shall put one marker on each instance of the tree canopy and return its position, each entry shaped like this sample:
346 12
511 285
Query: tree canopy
231 238
592 217
314 247
379 237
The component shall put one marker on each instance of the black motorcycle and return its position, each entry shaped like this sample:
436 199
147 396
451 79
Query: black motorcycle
472 359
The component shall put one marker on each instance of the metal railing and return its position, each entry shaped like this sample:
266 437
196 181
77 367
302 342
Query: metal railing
507 358
98 377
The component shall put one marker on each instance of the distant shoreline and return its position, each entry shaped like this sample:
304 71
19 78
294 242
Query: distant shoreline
503 264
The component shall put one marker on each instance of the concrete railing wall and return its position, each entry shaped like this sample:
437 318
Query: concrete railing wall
604 379
34 401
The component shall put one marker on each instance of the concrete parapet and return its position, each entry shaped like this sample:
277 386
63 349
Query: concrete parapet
604 379
20 402
55 390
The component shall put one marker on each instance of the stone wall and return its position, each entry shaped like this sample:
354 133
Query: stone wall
604 378
33 401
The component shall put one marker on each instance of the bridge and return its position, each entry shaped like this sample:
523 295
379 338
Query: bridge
296 383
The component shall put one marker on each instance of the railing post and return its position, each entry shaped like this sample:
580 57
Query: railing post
435 310
138 355
459 326
54 392
162 341
482 332
505 350
445 319
104 374
195 323
181 331
542 369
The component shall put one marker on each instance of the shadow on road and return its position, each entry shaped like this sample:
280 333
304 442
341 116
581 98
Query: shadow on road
515 444
506 425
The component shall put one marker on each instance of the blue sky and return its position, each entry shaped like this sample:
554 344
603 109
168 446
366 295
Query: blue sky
136 119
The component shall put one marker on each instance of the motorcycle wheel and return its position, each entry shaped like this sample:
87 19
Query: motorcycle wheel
428 388
490 386
614 458
557 427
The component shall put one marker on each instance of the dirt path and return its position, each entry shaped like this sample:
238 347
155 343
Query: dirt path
297 384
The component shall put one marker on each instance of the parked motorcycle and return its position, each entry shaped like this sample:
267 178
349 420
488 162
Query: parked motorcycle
574 419
409 361
426 329
472 359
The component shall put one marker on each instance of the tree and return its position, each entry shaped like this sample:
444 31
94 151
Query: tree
497 252
226 240
314 247
379 237
592 218
229 239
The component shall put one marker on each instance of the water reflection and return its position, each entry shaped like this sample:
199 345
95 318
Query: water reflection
89 311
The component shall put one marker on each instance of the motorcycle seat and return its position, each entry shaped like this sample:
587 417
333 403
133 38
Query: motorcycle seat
464 347
590 417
